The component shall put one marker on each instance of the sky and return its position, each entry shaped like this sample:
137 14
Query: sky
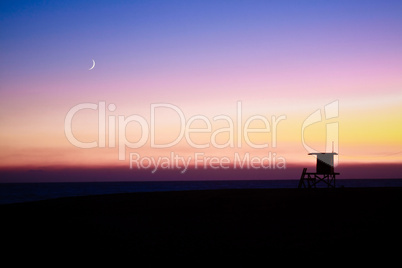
208 83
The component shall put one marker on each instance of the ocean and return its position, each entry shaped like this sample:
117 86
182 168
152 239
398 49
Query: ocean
27 192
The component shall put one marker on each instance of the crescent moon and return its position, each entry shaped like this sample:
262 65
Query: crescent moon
93 65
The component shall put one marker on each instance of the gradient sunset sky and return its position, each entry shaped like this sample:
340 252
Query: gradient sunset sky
275 58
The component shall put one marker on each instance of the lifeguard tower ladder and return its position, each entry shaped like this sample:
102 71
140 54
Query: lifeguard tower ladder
324 172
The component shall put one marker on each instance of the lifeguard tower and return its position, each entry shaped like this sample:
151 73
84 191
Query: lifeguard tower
324 172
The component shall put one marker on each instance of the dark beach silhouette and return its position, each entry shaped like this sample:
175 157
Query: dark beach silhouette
259 222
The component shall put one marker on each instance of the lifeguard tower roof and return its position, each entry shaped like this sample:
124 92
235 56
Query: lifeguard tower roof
322 153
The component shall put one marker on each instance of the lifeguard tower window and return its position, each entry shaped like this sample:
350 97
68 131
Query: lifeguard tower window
325 162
